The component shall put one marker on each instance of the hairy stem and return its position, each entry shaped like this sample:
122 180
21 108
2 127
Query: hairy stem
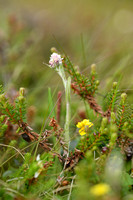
68 85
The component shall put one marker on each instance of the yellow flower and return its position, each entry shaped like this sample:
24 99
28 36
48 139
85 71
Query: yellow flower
100 189
83 126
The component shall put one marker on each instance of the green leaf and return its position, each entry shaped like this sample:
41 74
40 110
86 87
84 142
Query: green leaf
51 104
126 179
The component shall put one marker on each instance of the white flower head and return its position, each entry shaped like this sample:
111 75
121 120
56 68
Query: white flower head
55 60
36 174
38 157
40 166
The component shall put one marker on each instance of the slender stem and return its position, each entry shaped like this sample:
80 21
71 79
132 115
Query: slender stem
14 149
67 123
67 86
71 187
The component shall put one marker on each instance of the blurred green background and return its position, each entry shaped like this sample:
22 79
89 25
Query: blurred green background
88 31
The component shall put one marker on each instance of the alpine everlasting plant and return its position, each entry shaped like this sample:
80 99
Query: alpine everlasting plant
55 162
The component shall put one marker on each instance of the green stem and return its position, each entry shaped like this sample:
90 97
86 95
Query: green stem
67 86
67 123
62 75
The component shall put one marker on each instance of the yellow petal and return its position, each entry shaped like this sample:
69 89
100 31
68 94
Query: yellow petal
82 133
100 189
79 125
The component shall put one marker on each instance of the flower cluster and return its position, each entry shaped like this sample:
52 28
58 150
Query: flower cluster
100 189
55 60
83 126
